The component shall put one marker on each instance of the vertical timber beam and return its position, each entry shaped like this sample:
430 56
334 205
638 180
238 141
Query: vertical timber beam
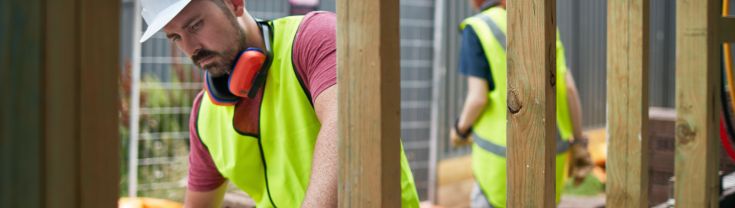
21 117
59 136
99 140
531 103
62 60
627 98
369 103
697 103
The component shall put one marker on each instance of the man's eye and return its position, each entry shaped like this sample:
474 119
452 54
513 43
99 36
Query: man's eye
196 26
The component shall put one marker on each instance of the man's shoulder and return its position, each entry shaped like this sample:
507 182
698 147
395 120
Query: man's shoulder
320 16
316 28
317 21
195 109
197 101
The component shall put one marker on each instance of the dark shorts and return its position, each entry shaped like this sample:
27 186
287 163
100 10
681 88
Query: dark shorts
478 198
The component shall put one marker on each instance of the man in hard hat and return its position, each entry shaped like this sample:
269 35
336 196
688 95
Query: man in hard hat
267 119
483 118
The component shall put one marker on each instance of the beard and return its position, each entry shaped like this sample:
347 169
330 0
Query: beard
223 61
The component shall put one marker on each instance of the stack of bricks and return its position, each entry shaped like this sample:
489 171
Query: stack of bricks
661 155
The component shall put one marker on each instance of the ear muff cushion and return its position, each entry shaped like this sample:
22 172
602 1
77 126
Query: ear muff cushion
217 90
245 71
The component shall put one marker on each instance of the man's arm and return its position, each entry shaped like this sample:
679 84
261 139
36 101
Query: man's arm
315 59
473 63
477 89
581 162
322 190
211 198
575 106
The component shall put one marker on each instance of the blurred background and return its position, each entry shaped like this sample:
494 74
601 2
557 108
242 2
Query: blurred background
158 84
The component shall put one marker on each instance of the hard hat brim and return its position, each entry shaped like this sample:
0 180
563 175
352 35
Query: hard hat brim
163 18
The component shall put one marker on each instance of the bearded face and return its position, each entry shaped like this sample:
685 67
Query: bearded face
207 31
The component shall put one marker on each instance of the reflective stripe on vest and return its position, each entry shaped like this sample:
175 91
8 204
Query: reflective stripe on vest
561 145
499 35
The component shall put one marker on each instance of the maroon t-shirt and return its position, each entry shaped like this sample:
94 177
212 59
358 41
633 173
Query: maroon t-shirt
315 59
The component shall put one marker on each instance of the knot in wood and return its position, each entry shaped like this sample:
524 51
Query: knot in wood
685 133
514 103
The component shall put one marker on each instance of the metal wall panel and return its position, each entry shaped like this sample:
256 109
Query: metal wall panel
267 9
417 26
582 27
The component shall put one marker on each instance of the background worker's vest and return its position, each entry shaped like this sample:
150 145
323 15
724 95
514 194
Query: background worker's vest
488 151
274 166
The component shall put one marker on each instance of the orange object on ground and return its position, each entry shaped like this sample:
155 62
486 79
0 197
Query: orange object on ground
143 202
597 146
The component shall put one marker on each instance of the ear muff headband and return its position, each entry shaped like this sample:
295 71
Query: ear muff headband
262 74
218 92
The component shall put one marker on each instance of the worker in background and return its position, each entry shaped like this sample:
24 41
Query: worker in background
483 118
267 118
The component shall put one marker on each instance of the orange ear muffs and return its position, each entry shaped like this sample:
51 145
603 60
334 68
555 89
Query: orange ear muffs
248 74
245 74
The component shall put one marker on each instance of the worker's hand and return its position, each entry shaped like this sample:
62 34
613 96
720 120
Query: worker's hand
456 140
581 164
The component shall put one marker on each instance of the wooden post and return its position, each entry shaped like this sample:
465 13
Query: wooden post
60 136
697 103
369 103
531 103
727 29
21 142
99 136
627 98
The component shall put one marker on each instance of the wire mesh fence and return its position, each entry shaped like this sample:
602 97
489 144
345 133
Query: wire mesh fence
166 88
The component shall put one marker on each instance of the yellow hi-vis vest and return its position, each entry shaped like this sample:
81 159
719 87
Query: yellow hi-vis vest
489 149
274 166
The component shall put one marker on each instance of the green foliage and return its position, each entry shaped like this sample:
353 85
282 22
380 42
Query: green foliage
163 144
590 186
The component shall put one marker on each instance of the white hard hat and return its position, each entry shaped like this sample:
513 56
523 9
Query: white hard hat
157 13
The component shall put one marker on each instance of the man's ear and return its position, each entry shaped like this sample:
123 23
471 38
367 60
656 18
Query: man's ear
238 6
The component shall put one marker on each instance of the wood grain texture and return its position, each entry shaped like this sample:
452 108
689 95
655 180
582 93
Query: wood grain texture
62 94
21 117
697 103
627 101
99 140
369 103
531 103
63 57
